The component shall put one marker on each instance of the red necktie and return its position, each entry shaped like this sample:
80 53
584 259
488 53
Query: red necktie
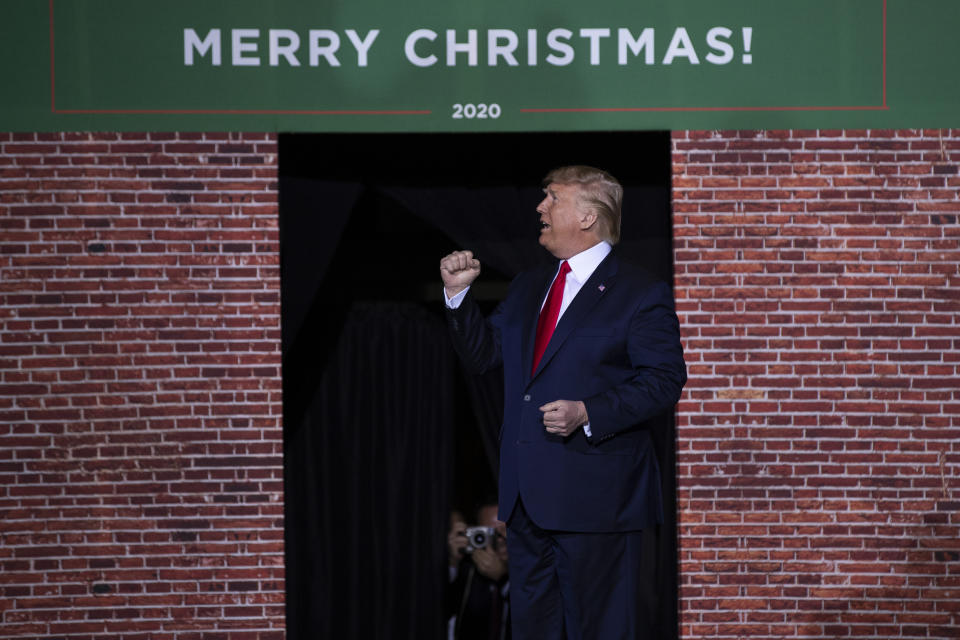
547 321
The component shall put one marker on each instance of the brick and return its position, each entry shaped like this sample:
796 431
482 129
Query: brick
846 361
93 444
815 277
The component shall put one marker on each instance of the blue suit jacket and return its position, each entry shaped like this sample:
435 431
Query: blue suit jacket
616 348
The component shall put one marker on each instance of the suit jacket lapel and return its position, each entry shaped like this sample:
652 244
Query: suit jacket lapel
585 300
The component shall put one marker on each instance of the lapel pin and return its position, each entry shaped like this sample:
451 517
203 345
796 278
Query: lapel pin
601 287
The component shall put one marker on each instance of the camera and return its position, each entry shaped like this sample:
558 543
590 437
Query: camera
480 538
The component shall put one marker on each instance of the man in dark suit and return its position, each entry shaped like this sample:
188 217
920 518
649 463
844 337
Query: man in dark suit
591 351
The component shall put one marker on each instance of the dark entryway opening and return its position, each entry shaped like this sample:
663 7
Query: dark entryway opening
384 433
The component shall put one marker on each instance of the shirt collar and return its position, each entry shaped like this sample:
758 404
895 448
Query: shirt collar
586 262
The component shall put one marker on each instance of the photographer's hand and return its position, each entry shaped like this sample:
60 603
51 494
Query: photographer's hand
456 543
489 563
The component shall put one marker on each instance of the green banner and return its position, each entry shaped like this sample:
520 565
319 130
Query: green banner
376 65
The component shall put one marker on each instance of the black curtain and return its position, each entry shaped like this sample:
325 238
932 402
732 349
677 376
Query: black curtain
371 391
371 447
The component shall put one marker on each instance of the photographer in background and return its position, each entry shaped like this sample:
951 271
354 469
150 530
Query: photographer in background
478 593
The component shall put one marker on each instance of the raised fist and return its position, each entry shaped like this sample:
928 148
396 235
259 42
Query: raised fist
458 270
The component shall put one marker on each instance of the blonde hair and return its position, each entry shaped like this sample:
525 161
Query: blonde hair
598 191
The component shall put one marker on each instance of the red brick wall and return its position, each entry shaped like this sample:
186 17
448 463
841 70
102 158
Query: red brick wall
140 435
819 437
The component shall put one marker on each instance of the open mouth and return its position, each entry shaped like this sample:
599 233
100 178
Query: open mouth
544 225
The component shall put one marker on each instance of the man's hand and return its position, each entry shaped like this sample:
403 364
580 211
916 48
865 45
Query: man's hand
489 563
458 270
563 417
456 542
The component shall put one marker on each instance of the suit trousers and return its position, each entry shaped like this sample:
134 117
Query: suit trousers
579 586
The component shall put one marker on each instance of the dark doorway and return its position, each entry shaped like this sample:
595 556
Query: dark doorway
383 432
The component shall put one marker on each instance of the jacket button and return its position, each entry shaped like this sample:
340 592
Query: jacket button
526 398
